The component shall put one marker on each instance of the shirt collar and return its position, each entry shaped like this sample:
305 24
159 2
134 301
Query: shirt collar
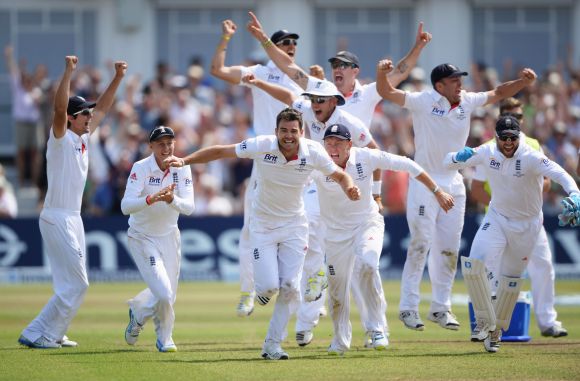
152 164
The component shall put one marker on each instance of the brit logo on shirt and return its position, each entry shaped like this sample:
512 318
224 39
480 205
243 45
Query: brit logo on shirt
269 158
437 111
273 78
518 168
314 127
493 164
154 180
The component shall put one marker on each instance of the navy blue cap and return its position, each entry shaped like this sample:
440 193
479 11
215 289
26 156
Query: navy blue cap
338 131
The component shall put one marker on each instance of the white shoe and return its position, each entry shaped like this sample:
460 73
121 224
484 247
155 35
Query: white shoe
66 343
133 329
166 348
42 342
332 351
315 286
303 338
555 331
491 342
445 319
246 305
411 320
481 330
273 351
378 341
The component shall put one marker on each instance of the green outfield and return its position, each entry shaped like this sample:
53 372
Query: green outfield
214 344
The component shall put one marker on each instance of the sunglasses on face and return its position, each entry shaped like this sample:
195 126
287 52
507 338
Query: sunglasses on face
318 100
517 115
506 137
287 42
341 65
85 112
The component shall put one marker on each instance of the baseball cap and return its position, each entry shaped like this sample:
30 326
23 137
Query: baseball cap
159 132
326 88
345 56
77 104
338 131
507 125
445 71
283 34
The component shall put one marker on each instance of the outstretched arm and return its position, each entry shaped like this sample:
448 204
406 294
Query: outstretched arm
11 62
204 155
106 99
345 181
408 62
444 199
59 120
230 74
280 93
511 88
280 58
384 86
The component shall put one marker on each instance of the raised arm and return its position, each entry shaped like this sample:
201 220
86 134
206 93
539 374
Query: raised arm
230 74
280 93
345 181
108 96
204 155
511 88
11 64
384 86
280 58
408 62
59 120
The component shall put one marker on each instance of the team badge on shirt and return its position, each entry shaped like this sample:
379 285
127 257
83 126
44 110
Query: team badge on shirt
460 113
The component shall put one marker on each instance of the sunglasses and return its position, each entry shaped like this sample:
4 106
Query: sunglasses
342 65
506 137
287 42
85 112
517 115
318 100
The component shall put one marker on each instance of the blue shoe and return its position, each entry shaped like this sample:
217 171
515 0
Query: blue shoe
41 343
166 348
133 329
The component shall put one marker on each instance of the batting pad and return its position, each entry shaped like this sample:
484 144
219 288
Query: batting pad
474 274
508 292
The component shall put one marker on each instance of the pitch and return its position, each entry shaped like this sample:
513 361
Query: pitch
214 344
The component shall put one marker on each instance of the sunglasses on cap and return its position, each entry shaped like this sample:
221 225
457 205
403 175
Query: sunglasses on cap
342 65
506 137
318 100
85 112
287 41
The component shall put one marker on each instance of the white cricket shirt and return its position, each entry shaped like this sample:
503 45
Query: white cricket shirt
516 183
361 136
67 164
147 178
362 102
266 108
279 183
340 213
440 129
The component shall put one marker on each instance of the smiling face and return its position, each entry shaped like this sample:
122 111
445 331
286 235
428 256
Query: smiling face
508 146
338 149
79 123
288 133
344 75
162 148
450 88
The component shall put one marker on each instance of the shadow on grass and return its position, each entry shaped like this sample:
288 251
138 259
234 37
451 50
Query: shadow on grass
76 352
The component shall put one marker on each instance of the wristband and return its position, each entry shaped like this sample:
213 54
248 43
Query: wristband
436 189
376 188
225 37
148 200
267 43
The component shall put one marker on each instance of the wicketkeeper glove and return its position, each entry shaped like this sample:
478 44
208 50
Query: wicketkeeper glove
464 154
570 211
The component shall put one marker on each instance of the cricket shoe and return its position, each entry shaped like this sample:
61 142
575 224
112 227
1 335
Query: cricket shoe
333 351
65 342
491 342
133 329
411 320
377 340
273 351
481 330
166 348
246 305
445 319
41 343
303 338
555 331
315 285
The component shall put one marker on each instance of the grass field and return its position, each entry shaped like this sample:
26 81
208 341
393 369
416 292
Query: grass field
214 344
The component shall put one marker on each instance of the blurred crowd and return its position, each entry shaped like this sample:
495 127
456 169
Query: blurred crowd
205 111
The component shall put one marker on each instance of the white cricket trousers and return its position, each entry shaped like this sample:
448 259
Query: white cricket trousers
512 240
278 257
542 276
435 232
362 245
158 260
64 238
244 245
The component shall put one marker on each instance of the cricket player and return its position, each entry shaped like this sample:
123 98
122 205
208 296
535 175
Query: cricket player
355 230
265 109
441 118
511 226
155 196
540 267
60 222
278 224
